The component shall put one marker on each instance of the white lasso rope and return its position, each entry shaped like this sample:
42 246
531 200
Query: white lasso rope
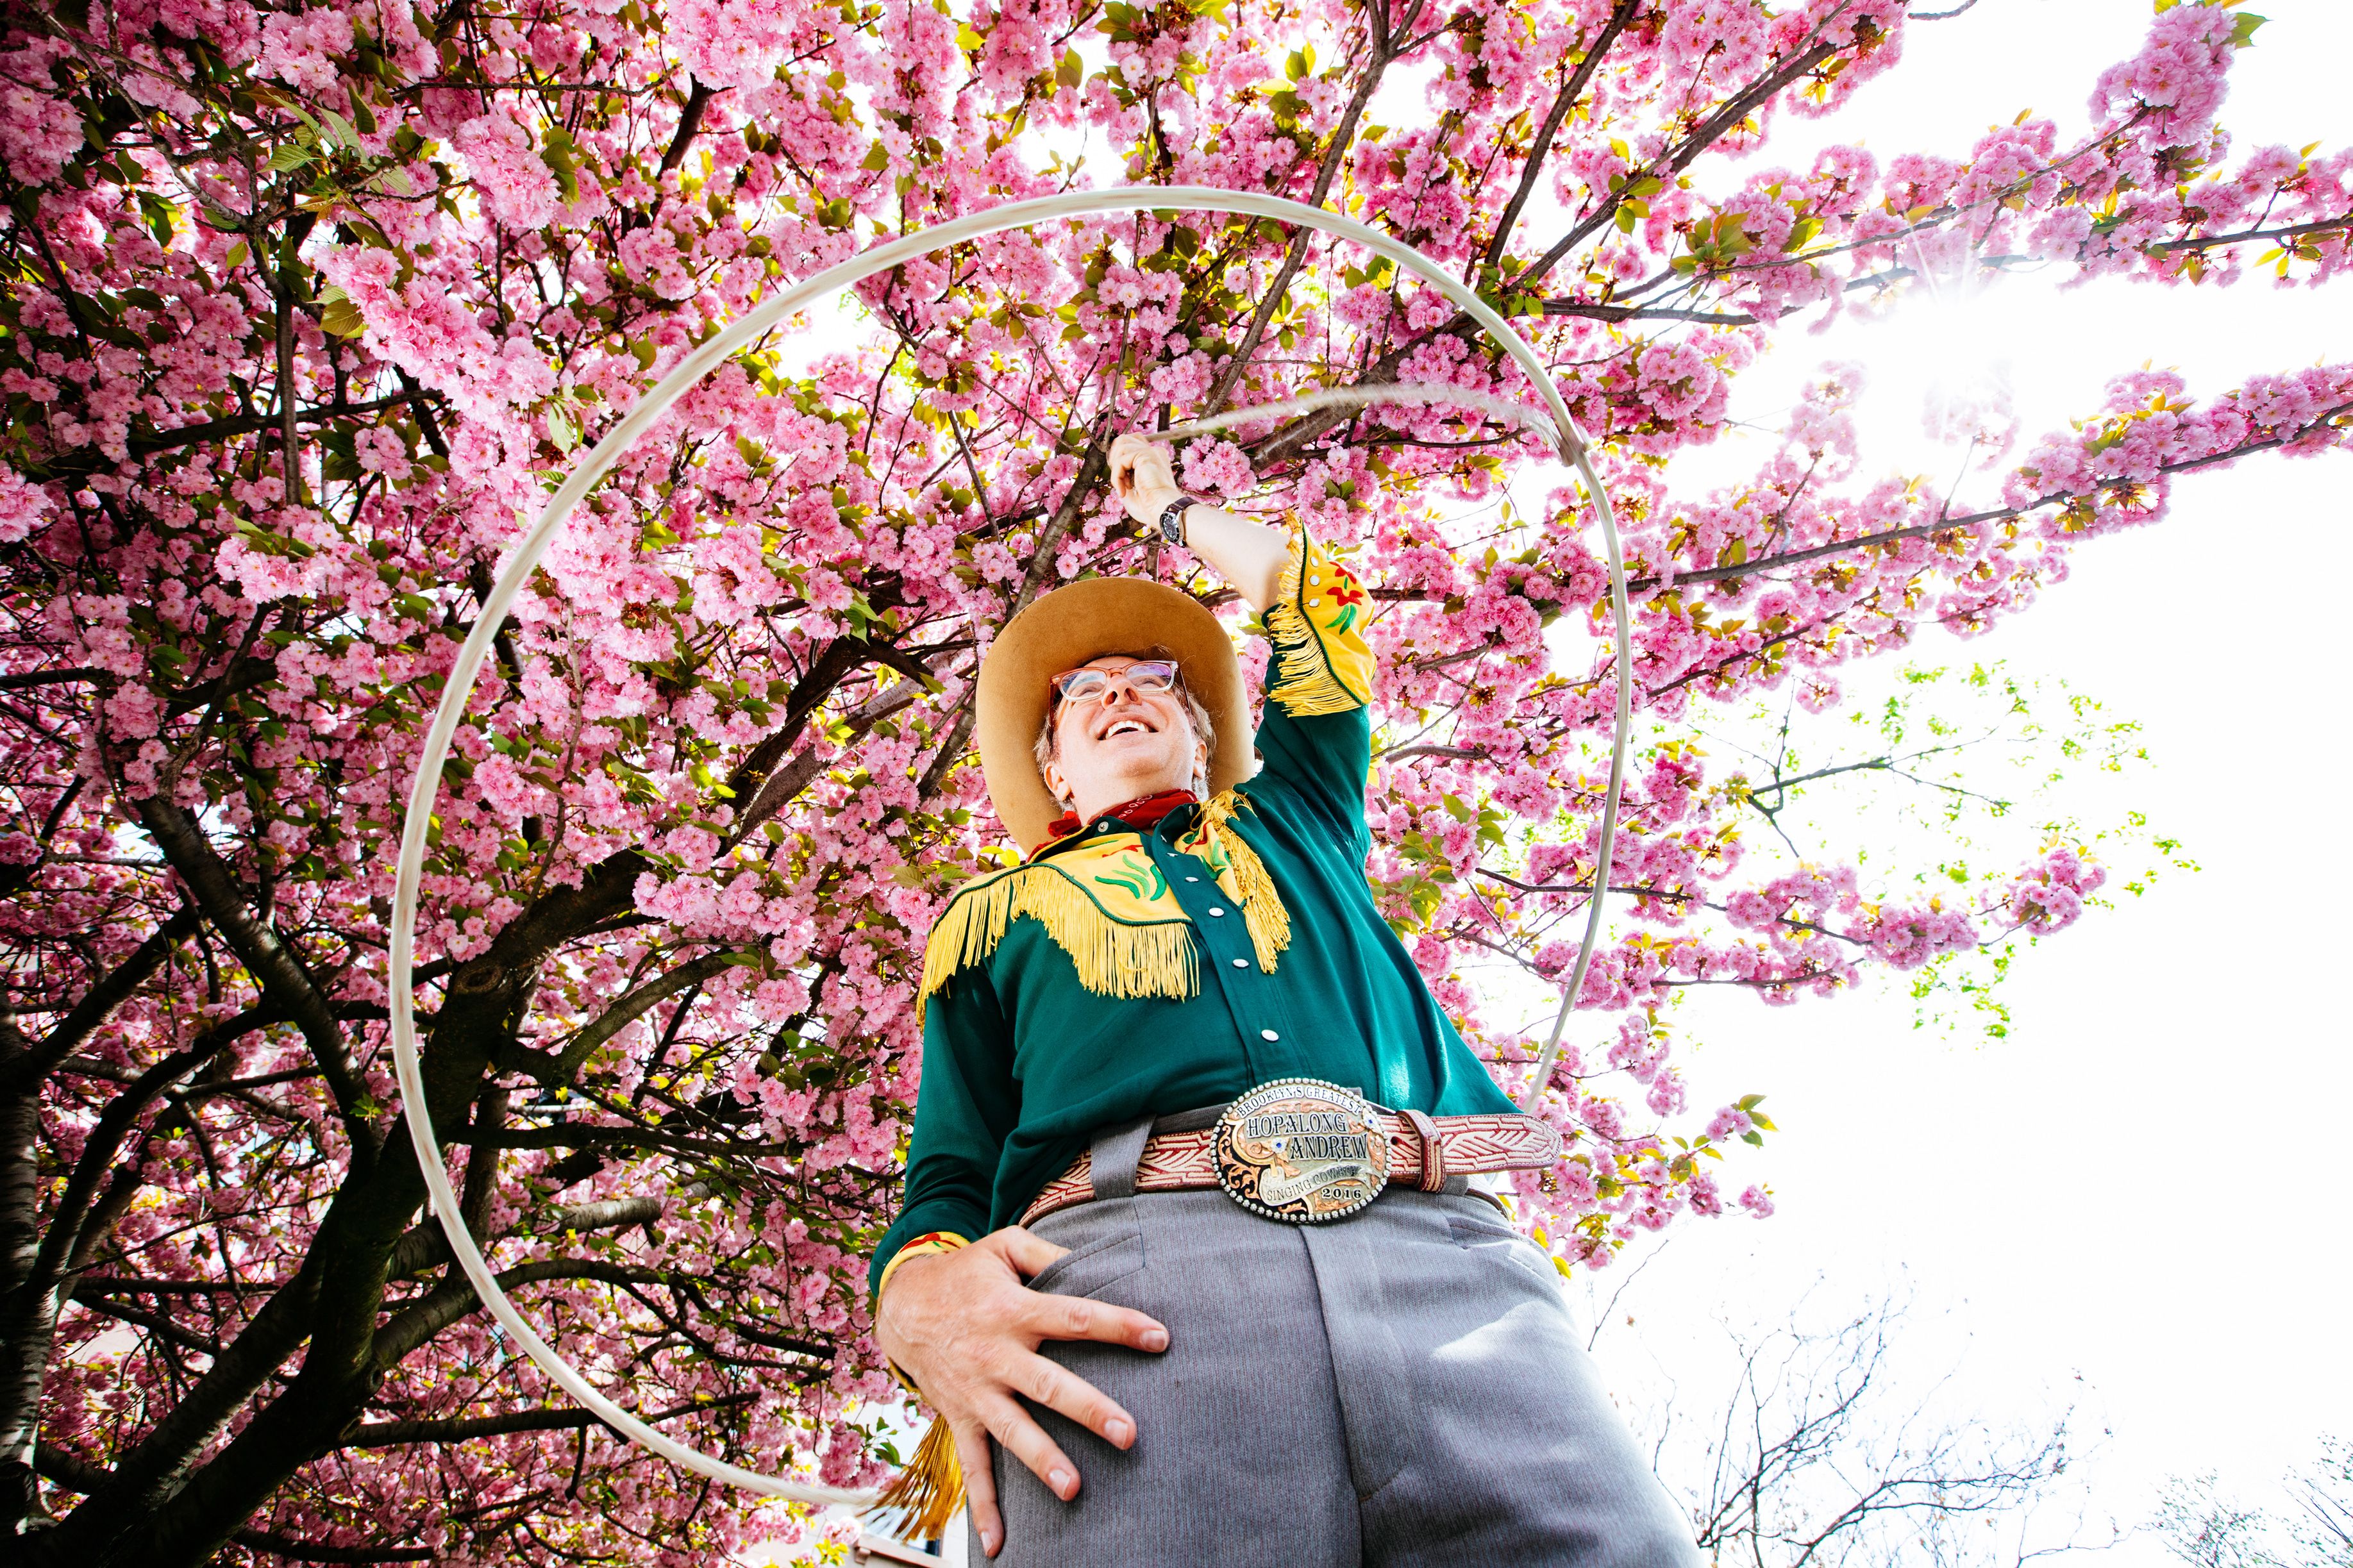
1556 426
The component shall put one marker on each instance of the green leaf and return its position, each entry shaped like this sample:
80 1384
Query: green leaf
2243 28
1070 70
338 315
288 157
562 156
878 158
158 214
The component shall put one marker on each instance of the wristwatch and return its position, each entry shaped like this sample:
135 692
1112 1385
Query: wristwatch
1172 517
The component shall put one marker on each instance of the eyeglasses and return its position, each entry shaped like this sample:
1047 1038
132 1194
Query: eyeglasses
1145 676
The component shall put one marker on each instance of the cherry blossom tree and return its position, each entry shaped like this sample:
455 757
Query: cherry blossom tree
307 308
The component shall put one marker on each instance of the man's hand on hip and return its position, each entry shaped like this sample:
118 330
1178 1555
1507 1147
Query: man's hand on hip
964 1326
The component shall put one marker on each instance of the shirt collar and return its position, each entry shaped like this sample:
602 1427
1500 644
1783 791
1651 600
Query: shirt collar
1143 813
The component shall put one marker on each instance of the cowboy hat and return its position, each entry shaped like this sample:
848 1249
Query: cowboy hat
1066 629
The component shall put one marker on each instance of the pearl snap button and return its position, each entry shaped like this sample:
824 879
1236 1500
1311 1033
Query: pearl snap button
1192 878
1268 1035
1241 963
1214 910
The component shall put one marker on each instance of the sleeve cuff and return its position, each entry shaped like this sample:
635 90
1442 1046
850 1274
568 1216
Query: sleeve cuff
922 1246
1323 664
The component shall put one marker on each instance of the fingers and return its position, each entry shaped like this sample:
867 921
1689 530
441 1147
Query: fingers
1076 1318
1124 452
1027 1441
1134 460
1058 1389
1027 1252
980 1484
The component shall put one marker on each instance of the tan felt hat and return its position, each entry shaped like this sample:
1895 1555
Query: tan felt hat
1066 629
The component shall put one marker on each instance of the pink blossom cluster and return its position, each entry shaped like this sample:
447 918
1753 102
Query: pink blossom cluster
713 786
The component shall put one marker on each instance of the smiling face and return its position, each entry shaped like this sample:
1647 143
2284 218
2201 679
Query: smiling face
1128 744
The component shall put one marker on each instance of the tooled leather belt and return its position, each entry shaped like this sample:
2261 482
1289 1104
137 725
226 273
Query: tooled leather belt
1304 1150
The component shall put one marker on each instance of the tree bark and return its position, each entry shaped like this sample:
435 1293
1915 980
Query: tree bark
24 1351
21 1072
160 1508
284 978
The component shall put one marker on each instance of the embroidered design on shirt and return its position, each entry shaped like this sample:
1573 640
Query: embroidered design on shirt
1325 665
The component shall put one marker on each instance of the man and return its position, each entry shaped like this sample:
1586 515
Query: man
1264 1314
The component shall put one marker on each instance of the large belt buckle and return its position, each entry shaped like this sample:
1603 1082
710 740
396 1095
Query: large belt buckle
1303 1151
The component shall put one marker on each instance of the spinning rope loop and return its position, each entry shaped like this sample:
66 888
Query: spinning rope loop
1554 423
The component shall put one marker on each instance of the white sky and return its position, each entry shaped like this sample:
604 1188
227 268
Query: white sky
2134 1202
2140 1186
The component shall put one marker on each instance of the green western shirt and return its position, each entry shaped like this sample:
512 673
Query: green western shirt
1023 1064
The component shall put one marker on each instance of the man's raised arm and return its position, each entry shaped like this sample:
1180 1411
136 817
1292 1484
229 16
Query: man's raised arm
1248 555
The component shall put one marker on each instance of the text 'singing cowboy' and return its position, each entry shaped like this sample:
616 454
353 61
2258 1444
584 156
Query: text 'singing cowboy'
1190 1120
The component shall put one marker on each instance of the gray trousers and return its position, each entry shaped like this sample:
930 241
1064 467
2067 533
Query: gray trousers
1403 1388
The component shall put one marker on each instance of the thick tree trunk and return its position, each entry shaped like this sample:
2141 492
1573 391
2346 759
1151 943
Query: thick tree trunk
161 1508
28 1314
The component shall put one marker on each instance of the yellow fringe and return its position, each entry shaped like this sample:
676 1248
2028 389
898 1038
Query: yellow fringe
1114 959
1262 911
931 1489
1309 686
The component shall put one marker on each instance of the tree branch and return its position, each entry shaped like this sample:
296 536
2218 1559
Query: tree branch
562 1069
75 1474
1573 88
447 1303
281 972
21 1073
2293 231
690 120
1736 110
1999 514
1343 136
147 443
399 1433
424 1246
45 677
114 1124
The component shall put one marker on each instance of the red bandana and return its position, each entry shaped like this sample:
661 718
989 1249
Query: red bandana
1143 813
